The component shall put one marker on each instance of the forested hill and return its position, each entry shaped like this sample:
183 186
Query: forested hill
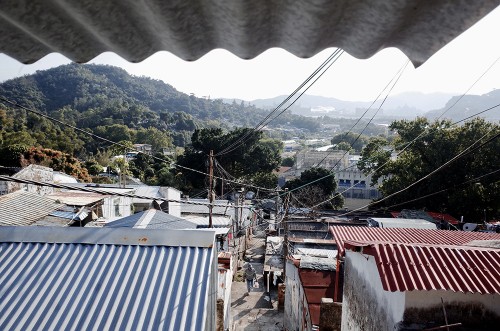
110 102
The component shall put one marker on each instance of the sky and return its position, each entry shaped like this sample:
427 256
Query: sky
220 74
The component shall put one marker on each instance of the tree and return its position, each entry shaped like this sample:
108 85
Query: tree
316 186
344 146
351 139
93 167
288 162
435 144
156 138
250 154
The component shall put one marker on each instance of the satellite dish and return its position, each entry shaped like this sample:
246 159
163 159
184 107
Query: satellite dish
469 226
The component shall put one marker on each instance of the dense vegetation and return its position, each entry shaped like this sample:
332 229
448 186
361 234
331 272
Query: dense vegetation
253 159
320 194
469 186
110 103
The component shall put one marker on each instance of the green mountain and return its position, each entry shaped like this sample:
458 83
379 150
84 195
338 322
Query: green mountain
109 102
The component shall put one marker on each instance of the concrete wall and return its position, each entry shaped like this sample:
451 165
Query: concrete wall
115 207
296 316
366 306
330 315
31 172
174 208
308 158
224 298
474 311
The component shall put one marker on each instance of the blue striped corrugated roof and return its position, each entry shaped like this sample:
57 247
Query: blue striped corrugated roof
72 286
152 219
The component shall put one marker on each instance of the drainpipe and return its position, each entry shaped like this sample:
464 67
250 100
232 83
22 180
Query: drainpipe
337 272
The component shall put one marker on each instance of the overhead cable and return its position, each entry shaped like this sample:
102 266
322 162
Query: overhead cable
326 64
15 104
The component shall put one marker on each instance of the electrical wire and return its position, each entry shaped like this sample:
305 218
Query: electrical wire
327 63
15 104
464 152
424 133
446 189
395 78
103 192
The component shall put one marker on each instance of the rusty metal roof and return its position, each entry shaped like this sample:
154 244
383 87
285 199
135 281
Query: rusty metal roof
406 236
83 29
409 267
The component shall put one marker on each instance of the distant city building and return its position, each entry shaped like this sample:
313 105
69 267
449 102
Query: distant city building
307 159
144 148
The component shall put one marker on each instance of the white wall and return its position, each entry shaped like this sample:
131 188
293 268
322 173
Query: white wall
224 292
109 207
295 302
425 299
366 306
174 208
31 172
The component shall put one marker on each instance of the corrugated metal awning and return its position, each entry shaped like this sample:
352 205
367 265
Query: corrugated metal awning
83 29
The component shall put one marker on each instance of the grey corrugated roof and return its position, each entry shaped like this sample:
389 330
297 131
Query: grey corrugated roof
221 207
83 29
147 191
202 221
23 208
73 198
106 279
152 219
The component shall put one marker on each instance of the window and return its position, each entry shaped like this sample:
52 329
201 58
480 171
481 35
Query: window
117 207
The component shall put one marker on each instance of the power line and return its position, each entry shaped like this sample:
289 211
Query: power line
15 104
327 63
102 192
393 79
464 152
384 164
446 189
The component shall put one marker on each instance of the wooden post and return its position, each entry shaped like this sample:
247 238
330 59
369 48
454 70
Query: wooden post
210 190
285 228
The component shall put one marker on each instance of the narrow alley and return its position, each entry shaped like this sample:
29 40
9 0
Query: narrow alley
257 310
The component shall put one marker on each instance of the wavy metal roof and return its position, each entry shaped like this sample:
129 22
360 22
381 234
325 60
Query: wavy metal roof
83 29
404 267
406 236
106 279
24 208
152 219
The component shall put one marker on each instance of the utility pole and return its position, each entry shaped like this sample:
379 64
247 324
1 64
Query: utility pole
210 190
285 227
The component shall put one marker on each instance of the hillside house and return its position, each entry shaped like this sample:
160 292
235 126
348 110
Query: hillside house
412 286
345 236
31 172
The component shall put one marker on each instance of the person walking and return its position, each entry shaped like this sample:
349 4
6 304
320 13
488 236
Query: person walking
250 276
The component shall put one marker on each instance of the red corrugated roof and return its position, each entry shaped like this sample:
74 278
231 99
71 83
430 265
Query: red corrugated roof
408 267
446 217
406 236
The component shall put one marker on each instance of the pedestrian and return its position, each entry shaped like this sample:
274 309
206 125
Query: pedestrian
250 276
